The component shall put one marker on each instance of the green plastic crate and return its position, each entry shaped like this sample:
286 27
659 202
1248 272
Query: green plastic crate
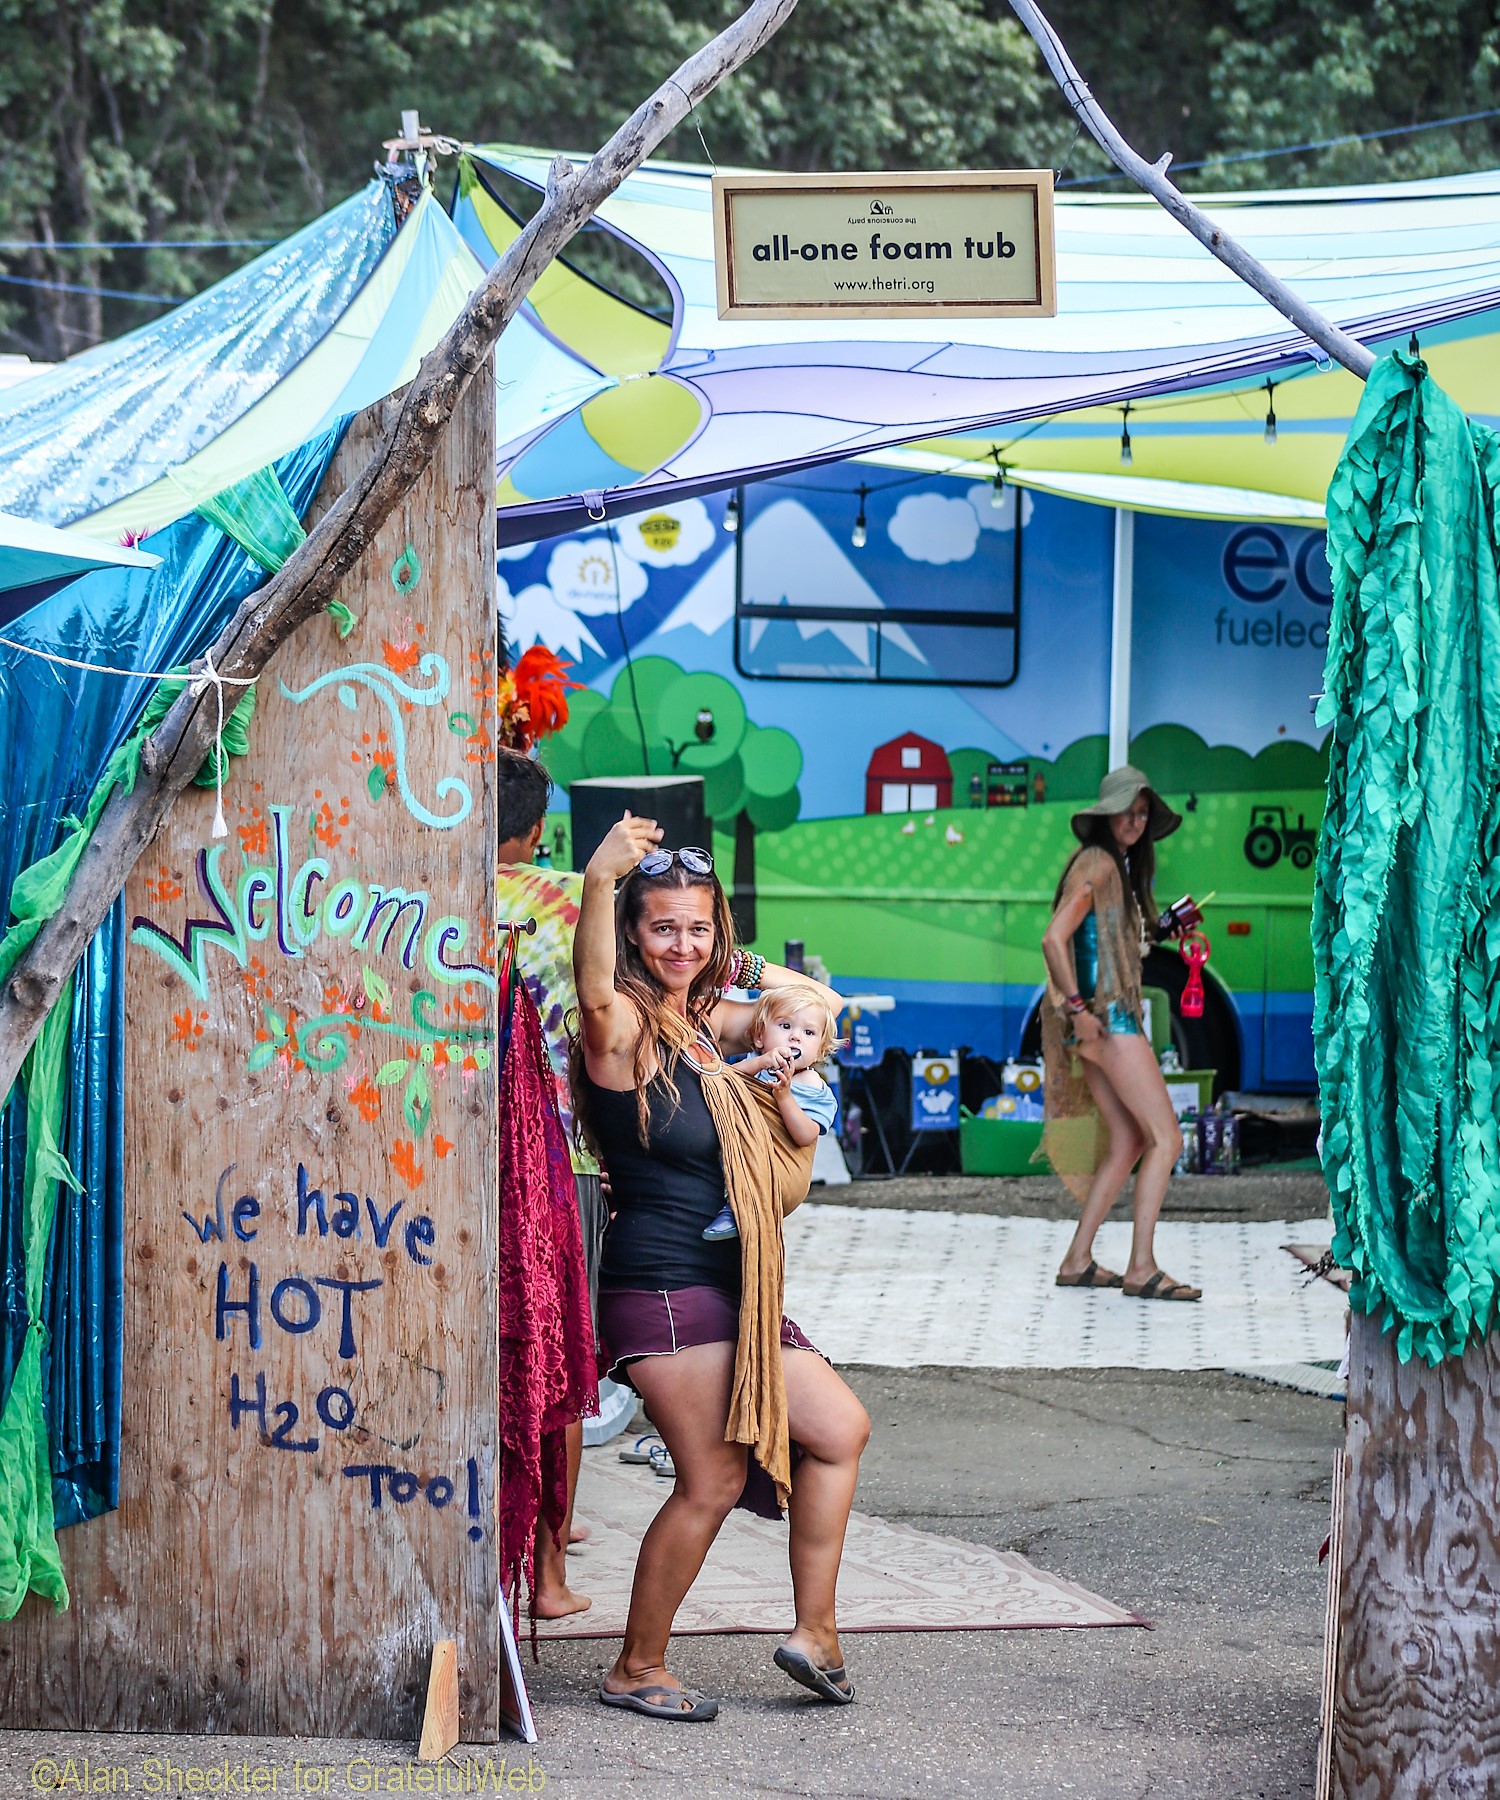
1000 1146
1202 1079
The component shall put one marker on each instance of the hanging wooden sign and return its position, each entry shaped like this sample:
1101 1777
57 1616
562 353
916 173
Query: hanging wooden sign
968 244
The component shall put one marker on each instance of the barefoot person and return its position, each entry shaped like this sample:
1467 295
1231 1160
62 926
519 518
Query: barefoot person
545 960
694 1324
1107 1105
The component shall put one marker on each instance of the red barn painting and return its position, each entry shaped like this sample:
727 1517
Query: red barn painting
909 774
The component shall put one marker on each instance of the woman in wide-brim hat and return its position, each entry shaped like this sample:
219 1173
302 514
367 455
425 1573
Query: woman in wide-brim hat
1107 1105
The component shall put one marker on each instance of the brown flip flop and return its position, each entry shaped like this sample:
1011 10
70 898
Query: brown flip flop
1090 1278
1161 1286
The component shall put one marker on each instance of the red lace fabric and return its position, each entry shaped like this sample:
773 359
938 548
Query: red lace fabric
547 1375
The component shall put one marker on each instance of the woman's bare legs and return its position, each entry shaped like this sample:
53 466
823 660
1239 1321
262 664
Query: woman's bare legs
1121 1070
687 1396
1126 1142
553 1598
833 1428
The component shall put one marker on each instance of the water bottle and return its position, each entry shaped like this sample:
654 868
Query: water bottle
1187 1162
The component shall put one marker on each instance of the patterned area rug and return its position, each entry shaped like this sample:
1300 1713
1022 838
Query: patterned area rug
892 1578
968 1290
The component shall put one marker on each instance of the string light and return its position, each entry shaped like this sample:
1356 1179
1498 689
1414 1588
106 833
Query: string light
1270 411
997 487
732 513
1126 457
859 535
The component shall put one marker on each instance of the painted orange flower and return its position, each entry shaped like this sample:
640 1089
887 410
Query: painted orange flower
404 1161
186 1029
253 837
164 886
367 1098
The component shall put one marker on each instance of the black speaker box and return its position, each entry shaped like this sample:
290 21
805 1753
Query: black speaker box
674 801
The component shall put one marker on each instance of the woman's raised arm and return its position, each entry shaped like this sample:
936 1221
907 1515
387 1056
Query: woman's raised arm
609 1025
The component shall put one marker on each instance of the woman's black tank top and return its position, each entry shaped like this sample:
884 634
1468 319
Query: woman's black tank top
663 1196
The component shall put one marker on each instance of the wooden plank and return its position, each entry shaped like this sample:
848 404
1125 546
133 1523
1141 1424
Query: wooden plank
440 1719
311 1172
1418 1703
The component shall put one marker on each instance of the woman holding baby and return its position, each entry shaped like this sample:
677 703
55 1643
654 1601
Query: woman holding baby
689 1303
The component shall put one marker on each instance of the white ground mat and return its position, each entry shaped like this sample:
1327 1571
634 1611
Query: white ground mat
892 1577
967 1290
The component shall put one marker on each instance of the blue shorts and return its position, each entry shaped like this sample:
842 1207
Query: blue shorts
1118 1021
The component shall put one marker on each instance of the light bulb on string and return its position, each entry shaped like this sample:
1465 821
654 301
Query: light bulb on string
997 487
1270 411
732 513
859 536
1126 456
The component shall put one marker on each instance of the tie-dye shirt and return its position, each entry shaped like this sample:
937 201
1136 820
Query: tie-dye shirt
551 897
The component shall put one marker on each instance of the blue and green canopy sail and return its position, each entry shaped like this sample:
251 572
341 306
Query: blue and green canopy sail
1406 911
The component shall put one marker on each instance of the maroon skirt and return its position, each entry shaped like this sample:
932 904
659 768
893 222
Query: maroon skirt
635 1323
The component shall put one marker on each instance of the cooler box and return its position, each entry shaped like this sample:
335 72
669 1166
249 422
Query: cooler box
999 1146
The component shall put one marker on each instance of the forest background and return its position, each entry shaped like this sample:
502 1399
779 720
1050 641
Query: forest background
152 146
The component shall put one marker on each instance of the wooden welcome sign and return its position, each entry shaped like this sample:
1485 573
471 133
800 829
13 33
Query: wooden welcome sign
307 1487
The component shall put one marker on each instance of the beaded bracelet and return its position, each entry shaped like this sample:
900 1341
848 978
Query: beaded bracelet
748 971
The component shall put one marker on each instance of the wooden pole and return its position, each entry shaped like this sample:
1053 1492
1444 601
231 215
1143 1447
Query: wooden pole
311 576
1418 1694
1153 178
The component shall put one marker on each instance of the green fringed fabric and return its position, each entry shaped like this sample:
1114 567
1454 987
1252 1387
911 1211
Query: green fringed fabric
29 1560
256 513
1406 908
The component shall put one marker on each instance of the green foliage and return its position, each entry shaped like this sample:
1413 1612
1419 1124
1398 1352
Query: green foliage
745 767
245 118
1179 762
1078 770
1203 78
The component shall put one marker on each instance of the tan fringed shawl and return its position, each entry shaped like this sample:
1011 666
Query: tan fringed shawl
1074 1138
766 1176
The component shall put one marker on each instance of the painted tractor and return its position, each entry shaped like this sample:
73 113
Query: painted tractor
1270 838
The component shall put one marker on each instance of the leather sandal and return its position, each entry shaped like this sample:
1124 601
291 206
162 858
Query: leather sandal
1091 1277
828 1684
658 1701
1161 1286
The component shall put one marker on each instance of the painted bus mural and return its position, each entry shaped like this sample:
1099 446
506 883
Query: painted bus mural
896 690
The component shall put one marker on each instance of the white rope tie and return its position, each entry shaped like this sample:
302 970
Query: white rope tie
210 675
221 828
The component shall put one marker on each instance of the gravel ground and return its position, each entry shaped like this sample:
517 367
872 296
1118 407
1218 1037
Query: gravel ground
1197 1500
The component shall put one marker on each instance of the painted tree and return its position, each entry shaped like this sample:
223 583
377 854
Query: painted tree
661 719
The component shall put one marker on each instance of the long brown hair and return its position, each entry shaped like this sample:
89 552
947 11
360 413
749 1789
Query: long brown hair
1137 868
662 1034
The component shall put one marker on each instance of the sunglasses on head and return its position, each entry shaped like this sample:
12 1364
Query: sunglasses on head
694 860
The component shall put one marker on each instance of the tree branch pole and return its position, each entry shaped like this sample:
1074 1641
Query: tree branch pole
310 578
1153 178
